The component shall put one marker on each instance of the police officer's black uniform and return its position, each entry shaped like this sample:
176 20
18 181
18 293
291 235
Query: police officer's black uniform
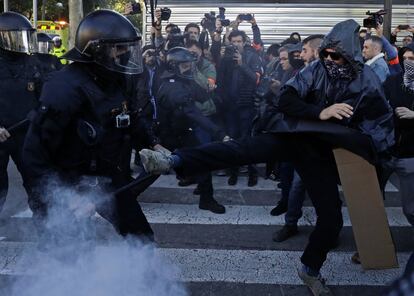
86 121
20 85
178 116
48 62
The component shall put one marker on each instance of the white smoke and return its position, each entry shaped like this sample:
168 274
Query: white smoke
71 261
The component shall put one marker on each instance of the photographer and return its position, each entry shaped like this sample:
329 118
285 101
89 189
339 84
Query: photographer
205 76
161 14
239 73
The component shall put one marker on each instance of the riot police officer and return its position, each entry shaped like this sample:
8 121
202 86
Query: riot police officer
86 124
179 116
48 61
59 49
20 84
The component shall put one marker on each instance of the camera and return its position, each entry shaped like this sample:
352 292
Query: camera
403 27
175 38
209 21
136 8
374 19
122 121
230 51
222 17
165 13
245 17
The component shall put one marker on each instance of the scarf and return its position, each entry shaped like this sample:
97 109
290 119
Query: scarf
336 71
409 74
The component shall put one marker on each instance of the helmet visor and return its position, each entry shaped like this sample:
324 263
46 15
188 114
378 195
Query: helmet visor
186 69
19 41
44 46
121 57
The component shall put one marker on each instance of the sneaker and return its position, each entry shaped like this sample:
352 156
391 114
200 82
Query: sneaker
232 180
286 232
155 162
252 181
315 283
210 204
280 209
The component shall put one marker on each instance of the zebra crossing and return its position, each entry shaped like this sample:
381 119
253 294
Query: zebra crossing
232 254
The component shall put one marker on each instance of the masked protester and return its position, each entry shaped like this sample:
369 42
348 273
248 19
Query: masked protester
399 89
87 123
334 102
21 78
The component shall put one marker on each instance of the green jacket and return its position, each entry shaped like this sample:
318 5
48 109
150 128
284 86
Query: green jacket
205 71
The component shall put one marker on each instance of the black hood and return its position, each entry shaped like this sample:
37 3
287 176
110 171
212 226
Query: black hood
344 38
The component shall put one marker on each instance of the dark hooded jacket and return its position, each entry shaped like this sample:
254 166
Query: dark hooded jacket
312 90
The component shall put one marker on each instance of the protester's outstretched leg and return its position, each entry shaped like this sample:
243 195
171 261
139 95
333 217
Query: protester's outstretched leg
217 155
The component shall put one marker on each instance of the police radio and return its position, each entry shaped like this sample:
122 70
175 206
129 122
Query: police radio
123 120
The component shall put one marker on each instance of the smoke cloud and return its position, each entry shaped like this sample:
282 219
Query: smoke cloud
72 261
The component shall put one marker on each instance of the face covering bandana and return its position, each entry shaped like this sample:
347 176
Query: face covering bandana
409 74
296 63
336 71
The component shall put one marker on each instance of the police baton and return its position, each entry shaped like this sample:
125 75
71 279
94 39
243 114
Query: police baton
15 126
139 185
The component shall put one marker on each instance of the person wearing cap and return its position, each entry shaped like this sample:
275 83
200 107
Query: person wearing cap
20 84
81 135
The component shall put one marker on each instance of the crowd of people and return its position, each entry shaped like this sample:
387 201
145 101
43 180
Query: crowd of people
204 99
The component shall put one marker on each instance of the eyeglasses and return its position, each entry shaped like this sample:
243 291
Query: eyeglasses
334 55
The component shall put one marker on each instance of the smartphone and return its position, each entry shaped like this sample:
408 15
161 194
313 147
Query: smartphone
246 17
403 27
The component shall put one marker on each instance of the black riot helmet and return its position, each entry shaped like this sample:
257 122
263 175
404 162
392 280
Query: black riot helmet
44 42
17 33
181 62
108 39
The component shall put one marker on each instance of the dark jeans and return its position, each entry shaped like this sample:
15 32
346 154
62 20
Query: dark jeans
296 198
312 159
286 177
13 148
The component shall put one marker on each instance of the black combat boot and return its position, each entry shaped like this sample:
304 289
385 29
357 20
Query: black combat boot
280 208
207 202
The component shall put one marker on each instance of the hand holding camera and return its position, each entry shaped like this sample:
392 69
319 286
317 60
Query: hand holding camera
237 57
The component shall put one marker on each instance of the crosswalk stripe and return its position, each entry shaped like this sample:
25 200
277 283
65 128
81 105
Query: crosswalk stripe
244 266
171 182
237 215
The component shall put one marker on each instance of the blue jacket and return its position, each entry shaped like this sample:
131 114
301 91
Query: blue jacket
379 66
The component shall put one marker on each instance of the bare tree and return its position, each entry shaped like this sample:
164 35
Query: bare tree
75 16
